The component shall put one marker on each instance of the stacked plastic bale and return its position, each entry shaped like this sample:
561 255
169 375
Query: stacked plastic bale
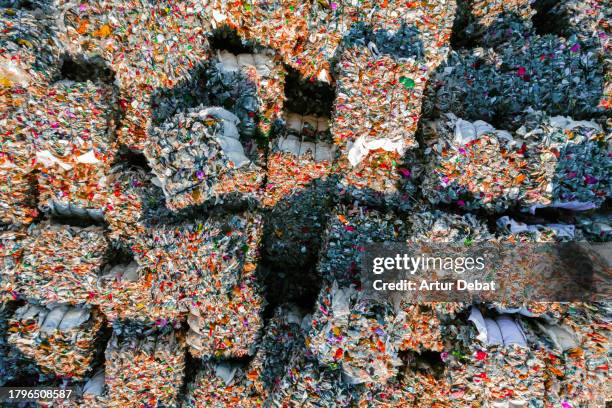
574 345
60 339
29 60
349 330
251 86
198 158
207 268
316 52
420 383
147 47
145 370
574 348
133 199
306 381
384 65
591 323
299 189
554 74
491 362
74 146
223 383
474 165
61 264
423 328
278 25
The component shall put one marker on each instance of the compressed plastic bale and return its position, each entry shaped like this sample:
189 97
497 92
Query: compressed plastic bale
326 24
73 141
474 165
381 81
480 368
587 19
356 334
11 250
147 370
222 382
175 42
581 351
564 181
546 72
339 258
125 294
227 325
198 157
251 86
31 51
344 322
61 264
420 326
368 75
306 381
208 269
133 199
60 339
29 60
174 34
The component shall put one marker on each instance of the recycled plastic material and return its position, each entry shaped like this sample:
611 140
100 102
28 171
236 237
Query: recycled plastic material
251 86
60 339
207 269
198 156
74 148
476 166
61 264
147 370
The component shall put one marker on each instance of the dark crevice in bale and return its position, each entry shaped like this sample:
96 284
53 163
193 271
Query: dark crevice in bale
132 158
118 256
193 366
226 38
426 362
308 96
286 285
82 69
462 35
544 21
74 220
